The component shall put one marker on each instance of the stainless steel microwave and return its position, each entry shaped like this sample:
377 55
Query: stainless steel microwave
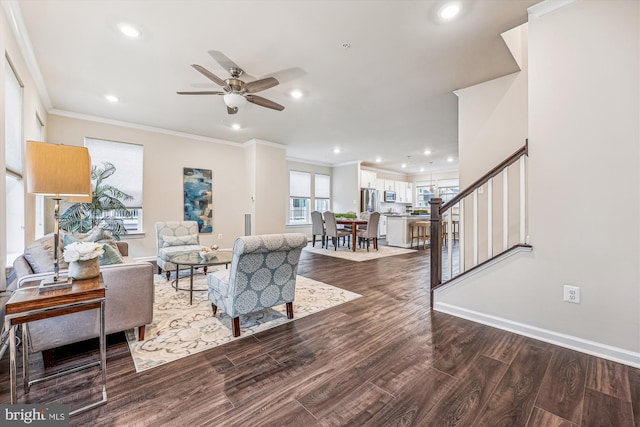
389 196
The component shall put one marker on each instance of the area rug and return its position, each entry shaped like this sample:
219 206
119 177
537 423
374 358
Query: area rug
179 329
360 254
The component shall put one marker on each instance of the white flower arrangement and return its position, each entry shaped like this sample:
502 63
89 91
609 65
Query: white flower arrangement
82 251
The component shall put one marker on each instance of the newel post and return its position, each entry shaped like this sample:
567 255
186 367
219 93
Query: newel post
435 245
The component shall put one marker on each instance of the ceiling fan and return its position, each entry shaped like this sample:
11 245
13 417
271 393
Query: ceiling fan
236 92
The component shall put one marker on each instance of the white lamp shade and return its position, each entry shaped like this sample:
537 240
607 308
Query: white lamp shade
58 170
233 100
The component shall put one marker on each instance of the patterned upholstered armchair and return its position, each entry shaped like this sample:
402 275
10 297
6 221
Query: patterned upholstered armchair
174 237
263 274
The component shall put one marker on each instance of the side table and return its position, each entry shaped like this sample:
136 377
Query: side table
28 304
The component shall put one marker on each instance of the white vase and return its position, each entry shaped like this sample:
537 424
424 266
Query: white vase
84 269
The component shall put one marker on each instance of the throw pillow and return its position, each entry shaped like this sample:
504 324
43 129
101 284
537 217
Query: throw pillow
111 253
110 256
39 254
189 239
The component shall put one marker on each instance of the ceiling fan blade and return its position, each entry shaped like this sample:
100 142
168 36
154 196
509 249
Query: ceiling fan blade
263 102
232 110
208 74
202 92
262 84
222 59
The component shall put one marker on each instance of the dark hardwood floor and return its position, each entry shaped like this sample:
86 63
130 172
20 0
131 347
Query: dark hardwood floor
383 359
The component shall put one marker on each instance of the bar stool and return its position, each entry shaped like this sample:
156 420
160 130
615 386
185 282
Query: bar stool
415 232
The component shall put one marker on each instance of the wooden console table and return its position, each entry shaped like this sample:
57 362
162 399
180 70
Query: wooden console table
28 304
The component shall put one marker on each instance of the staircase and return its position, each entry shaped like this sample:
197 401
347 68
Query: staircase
487 229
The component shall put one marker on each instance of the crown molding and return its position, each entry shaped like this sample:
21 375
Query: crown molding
256 141
96 119
14 15
547 6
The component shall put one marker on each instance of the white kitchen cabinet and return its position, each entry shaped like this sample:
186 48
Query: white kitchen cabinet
389 185
368 179
382 226
409 193
380 187
401 191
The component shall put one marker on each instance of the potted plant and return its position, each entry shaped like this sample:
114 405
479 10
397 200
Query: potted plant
82 217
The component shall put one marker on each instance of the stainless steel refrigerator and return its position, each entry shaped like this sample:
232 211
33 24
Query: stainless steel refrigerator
369 200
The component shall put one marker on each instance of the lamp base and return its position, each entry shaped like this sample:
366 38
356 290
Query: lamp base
49 284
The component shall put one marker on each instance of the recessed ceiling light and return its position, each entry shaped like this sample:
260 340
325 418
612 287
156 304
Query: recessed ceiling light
346 45
296 93
450 159
130 31
378 159
427 152
236 126
336 150
404 165
421 169
449 11
111 98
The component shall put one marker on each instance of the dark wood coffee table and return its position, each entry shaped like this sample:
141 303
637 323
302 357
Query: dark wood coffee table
194 260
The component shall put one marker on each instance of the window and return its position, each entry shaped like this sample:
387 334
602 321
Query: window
448 189
128 161
322 192
425 193
14 233
299 197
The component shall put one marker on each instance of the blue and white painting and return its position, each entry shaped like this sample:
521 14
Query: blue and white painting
197 198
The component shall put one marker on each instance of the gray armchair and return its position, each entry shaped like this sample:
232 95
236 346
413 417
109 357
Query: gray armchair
174 237
263 274
317 227
333 231
371 232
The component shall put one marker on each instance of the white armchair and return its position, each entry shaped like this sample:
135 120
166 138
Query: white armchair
174 237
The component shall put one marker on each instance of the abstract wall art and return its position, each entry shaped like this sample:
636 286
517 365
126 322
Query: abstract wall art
198 206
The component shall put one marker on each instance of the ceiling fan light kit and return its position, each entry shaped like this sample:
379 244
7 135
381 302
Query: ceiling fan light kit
236 92
234 100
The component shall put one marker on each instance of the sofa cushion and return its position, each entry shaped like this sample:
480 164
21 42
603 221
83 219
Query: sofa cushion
189 239
39 254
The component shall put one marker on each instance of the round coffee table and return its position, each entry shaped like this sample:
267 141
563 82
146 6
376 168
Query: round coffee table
193 259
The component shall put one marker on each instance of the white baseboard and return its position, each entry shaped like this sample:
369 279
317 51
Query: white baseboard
574 343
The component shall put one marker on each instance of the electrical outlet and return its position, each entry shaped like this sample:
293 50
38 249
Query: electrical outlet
219 236
572 294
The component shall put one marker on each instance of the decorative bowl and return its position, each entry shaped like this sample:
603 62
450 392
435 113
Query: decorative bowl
210 254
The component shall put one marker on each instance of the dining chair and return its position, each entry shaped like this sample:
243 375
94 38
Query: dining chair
333 232
317 226
371 232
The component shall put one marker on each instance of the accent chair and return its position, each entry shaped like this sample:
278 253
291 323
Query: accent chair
262 275
174 237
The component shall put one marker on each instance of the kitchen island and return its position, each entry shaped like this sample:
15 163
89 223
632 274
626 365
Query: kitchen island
399 230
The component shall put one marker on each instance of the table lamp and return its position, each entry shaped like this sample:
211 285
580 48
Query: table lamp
57 171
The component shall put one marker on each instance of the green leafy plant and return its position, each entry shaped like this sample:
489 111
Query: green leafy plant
346 215
106 199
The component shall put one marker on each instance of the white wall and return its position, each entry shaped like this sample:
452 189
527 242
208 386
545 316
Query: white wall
165 155
345 188
272 188
584 105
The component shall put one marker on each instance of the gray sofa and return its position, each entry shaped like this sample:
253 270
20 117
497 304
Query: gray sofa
129 304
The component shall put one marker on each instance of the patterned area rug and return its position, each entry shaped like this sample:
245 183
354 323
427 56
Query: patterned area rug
360 254
179 329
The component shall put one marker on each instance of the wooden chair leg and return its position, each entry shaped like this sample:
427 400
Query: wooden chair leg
205 269
236 326
47 357
375 243
168 274
141 333
159 270
313 241
215 308
289 310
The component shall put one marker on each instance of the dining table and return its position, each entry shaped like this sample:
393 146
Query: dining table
354 223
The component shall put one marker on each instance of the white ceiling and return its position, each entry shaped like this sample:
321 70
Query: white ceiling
389 95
